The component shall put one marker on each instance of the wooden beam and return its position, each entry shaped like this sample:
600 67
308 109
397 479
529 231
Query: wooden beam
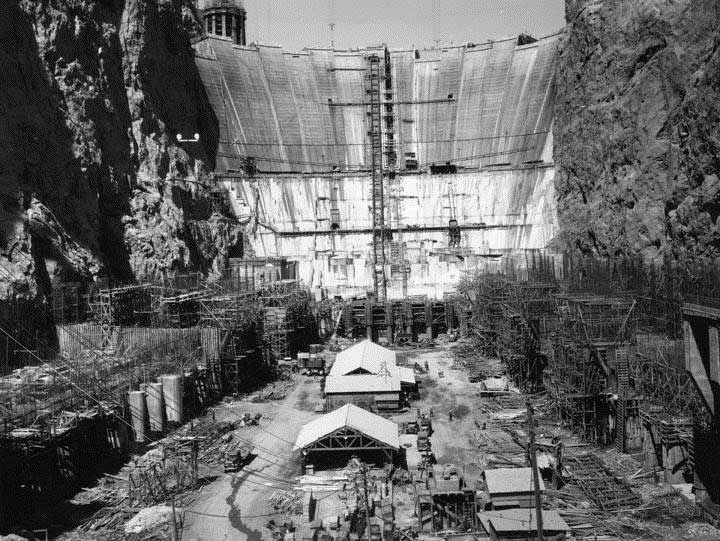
365 448
694 365
697 310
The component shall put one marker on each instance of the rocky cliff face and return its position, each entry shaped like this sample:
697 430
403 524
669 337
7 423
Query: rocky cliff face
92 178
637 114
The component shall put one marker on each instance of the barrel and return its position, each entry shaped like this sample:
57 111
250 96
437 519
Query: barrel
173 395
136 401
155 406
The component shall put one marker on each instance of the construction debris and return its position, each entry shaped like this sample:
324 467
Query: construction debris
287 502
607 492
151 519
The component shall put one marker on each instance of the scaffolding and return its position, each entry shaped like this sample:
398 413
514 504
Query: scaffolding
577 339
134 332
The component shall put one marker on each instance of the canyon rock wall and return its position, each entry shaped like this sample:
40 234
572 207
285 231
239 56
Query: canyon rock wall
637 111
92 179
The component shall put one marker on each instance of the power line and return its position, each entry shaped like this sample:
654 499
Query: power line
417 142
276 436
364 166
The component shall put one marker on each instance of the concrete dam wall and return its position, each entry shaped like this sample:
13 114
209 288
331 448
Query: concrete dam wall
503 211
303 118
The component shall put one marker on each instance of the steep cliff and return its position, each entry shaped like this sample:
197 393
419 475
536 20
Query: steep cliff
637 113
92 178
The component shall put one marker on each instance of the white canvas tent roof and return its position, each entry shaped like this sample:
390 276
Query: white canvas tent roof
521 520
369 424
510 481
407 375
365 355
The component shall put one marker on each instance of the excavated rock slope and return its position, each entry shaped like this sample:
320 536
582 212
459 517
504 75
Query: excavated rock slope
637 113
92 179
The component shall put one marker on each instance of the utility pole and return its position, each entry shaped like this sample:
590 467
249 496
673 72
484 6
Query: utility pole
535 477
364 470
175 533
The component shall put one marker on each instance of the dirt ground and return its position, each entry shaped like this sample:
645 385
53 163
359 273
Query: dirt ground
663 514
236 506
451 441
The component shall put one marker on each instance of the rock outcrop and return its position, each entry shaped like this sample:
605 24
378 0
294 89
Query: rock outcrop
92 178
637 113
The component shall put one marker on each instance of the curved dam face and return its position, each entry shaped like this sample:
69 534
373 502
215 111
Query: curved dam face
469 136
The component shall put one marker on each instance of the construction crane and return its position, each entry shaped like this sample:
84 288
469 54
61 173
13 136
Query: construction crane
383 163
377 193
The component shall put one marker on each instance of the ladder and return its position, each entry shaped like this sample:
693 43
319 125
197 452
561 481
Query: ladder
377 195
397 257
623 383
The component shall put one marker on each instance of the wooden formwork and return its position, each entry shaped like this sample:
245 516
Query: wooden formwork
602 489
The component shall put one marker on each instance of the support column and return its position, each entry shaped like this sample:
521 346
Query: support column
428 319
672 456
234 28
649 446
229 21
241 29
701 495
408 315
694 365
389 323
463 317
714 354
368 320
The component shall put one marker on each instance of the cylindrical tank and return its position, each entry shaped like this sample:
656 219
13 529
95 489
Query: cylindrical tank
173 395
136 402
155 406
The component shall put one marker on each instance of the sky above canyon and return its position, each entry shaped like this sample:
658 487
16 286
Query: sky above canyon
296 24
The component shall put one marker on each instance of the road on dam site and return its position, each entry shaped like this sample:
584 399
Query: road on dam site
235 506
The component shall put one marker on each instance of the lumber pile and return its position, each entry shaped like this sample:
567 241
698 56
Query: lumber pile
287 502
475 366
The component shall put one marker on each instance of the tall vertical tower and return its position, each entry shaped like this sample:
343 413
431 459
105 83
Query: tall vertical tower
225 18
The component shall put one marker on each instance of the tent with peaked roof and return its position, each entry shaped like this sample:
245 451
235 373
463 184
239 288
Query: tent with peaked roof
365 357
367 374
347 431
